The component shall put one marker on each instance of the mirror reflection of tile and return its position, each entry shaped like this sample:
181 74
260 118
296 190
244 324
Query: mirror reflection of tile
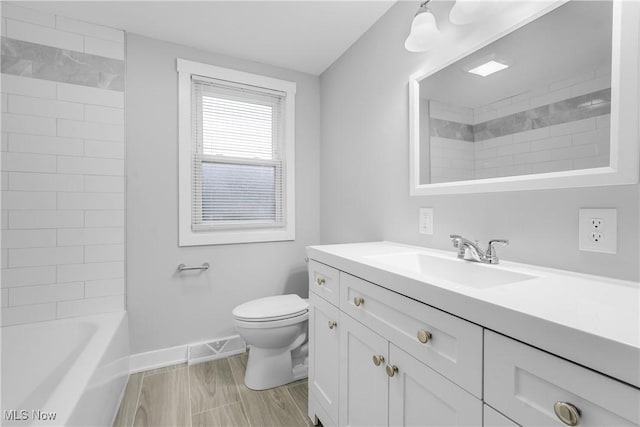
505 138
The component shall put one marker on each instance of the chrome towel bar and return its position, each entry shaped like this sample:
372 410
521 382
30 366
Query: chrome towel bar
182 267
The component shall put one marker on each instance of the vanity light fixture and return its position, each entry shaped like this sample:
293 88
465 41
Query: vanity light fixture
424 32
488 68
466 12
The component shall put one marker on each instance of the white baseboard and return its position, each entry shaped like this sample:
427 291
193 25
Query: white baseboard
158 358
180 354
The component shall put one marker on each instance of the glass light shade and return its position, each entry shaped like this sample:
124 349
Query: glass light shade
465 12
424 33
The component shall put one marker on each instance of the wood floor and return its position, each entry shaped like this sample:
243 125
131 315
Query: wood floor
209 394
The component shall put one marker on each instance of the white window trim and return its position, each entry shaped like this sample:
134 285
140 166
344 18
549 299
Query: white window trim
188 237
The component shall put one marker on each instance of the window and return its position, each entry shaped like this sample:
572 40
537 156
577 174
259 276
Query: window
236 156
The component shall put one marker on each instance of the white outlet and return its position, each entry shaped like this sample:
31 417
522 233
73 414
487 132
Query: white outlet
598 229
426 221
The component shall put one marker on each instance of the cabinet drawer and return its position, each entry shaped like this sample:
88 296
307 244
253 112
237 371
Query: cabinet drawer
526 383
453 346
324 281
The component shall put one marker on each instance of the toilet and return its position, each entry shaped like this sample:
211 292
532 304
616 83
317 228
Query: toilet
275 329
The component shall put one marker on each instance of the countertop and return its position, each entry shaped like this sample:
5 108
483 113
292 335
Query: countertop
593 321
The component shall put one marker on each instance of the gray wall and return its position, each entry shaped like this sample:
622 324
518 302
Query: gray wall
166 309
364 179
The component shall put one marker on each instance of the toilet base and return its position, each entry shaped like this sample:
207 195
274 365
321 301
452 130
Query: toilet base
268 368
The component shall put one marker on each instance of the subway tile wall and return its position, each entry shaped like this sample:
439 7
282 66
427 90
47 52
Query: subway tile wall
63 172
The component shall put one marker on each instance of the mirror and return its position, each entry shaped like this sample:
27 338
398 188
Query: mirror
546 119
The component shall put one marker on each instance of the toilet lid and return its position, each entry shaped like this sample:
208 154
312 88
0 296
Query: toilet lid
271 308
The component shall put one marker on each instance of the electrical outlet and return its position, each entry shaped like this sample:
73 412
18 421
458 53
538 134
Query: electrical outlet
426 221
598 230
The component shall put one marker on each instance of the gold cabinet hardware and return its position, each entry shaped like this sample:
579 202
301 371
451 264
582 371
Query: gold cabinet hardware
332 324
320 281
567 413
378 359
392 370
358 301
424 336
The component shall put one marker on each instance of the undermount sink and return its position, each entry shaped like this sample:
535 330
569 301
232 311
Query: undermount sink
464 273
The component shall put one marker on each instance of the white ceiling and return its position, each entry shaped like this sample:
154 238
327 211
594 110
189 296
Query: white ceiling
306 36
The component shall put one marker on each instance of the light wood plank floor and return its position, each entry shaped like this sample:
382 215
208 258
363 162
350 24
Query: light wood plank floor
210 394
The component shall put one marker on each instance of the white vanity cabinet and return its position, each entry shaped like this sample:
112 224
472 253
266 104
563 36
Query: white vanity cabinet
414 350
401 362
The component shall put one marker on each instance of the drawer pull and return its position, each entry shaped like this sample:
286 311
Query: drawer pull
378 359
320 281
567 413
392 370
358 301
332 324
424 336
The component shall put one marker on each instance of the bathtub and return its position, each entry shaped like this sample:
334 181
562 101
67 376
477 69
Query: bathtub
64 372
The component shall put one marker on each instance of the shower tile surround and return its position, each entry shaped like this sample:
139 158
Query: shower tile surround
63 183
560 130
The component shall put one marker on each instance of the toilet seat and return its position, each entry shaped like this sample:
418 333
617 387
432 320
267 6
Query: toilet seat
271 309
269 324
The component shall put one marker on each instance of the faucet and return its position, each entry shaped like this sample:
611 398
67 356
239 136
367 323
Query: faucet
471 250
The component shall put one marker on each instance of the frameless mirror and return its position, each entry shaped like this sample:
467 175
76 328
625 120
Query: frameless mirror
533 107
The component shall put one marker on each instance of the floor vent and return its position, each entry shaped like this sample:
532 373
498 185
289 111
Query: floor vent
218 349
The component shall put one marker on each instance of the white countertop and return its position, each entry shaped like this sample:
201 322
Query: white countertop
591 320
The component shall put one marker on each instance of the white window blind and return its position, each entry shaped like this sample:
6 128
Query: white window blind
238 164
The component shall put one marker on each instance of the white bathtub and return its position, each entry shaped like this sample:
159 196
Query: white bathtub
76 368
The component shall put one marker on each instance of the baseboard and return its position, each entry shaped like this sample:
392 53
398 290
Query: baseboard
180 354
158 358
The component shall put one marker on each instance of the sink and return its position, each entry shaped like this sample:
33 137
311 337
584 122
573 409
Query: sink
461 272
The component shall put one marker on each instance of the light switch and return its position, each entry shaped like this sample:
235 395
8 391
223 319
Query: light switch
426 221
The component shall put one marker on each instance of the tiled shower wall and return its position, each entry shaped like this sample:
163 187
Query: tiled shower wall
560 127
63 173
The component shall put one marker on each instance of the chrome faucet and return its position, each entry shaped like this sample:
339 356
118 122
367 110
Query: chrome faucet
471 250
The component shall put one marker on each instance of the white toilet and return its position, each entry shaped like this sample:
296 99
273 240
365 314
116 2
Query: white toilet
275 329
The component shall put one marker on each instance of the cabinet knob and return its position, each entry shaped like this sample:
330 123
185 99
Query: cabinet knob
424 336
358 301
320 281
392 370
332 324
567 413
378 359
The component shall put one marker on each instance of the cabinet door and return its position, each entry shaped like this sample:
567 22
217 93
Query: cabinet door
324 357
419 396
363 385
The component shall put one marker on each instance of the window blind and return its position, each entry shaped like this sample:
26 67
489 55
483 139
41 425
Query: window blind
238 168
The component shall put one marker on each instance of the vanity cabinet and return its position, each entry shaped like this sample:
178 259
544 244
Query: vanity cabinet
400 362
381 358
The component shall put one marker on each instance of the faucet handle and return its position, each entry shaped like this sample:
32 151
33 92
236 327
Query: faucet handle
491 256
